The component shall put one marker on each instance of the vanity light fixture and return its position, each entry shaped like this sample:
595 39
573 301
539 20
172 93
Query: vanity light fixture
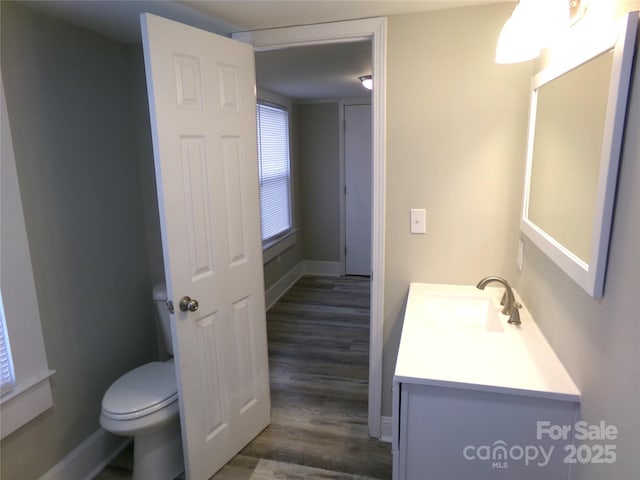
367 81
516 42
577 10
532 26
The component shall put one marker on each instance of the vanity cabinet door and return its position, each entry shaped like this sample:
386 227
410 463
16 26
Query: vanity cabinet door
445 433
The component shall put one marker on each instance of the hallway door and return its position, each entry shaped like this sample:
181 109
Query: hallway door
358 163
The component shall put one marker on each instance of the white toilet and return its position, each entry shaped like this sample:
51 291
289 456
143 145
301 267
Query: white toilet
143 404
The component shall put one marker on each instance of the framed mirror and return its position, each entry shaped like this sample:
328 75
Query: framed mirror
578 107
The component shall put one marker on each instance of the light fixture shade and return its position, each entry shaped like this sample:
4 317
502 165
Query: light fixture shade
367 81
533 25
516 44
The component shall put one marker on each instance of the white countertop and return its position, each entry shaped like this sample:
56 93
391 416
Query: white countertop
516 361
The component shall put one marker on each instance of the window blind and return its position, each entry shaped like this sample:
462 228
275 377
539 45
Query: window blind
274 170
6 367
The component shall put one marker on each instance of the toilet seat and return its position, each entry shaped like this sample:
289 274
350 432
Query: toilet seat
141 392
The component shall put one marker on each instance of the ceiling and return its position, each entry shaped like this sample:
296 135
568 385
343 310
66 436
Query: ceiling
317 72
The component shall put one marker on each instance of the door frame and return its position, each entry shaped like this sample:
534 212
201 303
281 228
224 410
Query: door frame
375 31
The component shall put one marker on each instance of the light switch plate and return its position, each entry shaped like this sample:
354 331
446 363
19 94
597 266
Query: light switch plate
418 220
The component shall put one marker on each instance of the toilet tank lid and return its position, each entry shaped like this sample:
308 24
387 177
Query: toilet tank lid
160 292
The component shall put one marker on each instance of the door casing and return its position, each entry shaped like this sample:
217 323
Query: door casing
375 31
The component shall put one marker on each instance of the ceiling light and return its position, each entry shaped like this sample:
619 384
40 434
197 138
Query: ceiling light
367 81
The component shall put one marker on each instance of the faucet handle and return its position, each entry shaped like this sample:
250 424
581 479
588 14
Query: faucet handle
514 317
507 304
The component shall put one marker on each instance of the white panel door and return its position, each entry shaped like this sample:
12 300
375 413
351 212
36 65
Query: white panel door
203 116
358 162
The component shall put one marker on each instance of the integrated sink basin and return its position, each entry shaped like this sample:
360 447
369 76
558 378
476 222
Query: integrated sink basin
456 335
461 312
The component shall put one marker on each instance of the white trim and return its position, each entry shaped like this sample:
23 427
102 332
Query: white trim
275 247
374 30
379 102
25 386
278 289
386 427
265 95
25 404
305 267
315 267
305 35
342 178
89 458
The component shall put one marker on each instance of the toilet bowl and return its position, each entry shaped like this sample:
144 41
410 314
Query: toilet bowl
143 404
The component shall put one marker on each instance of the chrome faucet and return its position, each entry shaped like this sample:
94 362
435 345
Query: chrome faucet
509 304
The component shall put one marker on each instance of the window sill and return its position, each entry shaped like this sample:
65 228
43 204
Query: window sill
25 402
275 247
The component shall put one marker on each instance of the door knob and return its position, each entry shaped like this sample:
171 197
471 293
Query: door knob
186 304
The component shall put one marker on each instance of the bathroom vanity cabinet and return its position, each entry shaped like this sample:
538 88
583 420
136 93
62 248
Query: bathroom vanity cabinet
472 400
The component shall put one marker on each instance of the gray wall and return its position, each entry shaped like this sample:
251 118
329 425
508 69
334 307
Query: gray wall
456 143
456 130
279 266
315 166
318 195
597 340
456 146
69 98
144 155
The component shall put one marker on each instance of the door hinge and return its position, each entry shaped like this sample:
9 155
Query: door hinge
170 306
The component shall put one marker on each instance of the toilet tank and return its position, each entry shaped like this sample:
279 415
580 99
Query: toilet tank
160 299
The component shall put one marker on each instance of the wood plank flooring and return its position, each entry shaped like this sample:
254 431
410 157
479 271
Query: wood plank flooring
318 336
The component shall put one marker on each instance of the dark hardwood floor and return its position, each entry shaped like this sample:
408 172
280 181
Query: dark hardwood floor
318 336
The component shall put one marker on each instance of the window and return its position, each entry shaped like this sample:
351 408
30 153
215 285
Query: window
6 364
25 388
274 171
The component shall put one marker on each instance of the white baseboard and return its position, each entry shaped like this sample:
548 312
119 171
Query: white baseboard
386 428
305 267
275 291
89 458
312 267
